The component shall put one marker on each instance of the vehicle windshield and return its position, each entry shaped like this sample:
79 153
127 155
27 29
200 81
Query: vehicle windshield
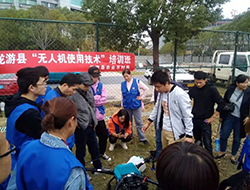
7 76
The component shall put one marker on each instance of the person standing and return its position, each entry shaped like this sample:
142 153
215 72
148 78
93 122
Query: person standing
132 101
172 111
100 96
204 97
22 112
43 72
86 119
67 87
158 142
239 94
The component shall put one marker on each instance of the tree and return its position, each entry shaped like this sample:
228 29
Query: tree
175 19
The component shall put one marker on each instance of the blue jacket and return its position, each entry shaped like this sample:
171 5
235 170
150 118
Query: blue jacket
53 94
245 153
129 97
61 171
40 98
99 92
12 135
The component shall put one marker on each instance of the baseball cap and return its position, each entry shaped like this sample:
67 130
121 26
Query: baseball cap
94 72
86 79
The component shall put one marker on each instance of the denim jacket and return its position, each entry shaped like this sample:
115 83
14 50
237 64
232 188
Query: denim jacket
76 180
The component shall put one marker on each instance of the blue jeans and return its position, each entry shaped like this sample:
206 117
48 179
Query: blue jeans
230 123
157 139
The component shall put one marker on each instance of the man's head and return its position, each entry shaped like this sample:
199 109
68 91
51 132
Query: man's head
43 71
200 79
5 159
94 73
161 81
69 83
186 166
86 81
29 81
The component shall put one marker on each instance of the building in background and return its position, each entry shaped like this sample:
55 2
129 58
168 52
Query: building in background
74 5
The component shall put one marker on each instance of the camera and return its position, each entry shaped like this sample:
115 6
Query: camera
122 131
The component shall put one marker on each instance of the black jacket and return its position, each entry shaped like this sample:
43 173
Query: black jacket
29 121
244 108
204 101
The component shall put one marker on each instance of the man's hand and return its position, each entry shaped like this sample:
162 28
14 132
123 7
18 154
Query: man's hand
209 120
190 140
245 120
145 128
138 98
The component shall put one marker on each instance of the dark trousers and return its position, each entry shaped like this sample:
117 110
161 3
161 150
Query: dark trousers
202 133
83 138
113 140
102 134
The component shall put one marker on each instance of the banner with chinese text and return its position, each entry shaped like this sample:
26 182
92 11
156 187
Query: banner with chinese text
65 61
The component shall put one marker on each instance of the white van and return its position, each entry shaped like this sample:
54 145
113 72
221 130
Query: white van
224 64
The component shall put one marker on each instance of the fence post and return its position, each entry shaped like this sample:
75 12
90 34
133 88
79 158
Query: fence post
175 56
97 36
235 53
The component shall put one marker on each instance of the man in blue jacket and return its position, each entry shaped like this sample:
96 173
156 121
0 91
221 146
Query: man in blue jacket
67 87
22 112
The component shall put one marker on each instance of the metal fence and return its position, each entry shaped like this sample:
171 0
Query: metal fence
196 54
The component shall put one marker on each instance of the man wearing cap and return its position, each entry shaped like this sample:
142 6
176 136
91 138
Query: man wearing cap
100 96
86 119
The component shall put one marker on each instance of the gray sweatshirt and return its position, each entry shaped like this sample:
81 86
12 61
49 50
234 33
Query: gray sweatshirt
85 104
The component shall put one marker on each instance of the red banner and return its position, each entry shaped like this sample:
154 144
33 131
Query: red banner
65 61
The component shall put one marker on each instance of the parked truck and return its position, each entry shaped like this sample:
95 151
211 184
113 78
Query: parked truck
222 65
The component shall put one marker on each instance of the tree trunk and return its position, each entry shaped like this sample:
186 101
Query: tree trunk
155 39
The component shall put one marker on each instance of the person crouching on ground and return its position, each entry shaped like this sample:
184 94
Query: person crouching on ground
119 127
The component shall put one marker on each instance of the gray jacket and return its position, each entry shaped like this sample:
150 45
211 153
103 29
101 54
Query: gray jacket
85 104
180 112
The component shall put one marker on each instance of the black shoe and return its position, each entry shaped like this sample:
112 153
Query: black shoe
145 142
220 156
233 161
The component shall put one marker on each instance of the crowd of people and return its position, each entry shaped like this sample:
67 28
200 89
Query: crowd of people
44 124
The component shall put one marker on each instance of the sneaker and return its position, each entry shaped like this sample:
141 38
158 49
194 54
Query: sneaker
89 178
145 142
106 157
111 147
123 145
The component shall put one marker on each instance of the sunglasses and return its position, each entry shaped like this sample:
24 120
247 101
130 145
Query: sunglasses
12 150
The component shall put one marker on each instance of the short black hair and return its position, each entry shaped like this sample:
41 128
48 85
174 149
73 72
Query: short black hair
160 77
200 75
42 70
125 113
70 79
241 78
186 166
26 77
